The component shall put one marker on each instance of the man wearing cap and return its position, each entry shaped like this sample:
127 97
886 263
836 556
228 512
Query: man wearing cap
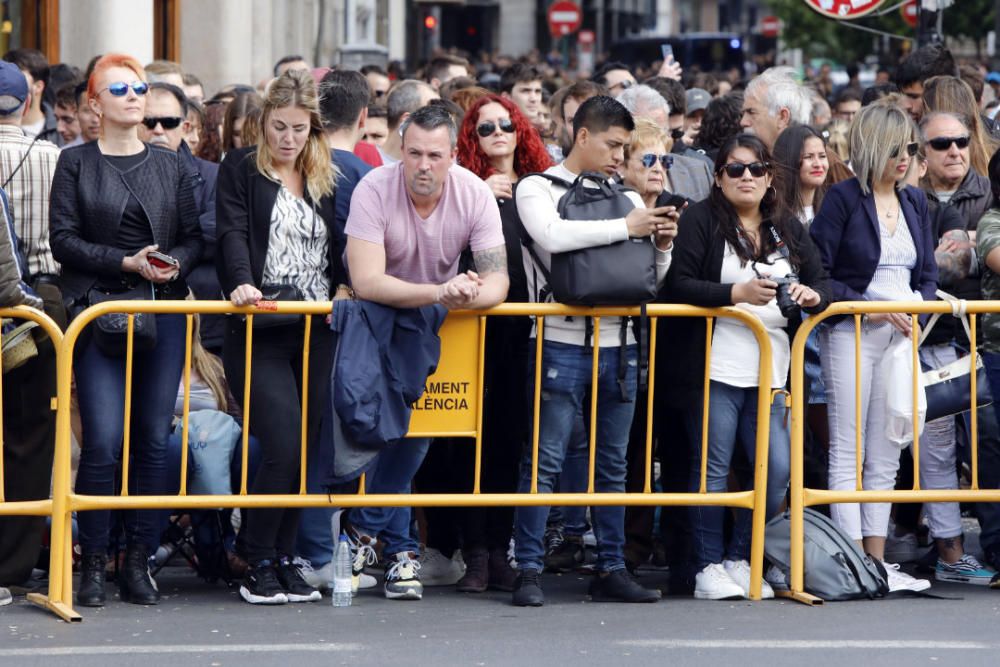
26 168
697 100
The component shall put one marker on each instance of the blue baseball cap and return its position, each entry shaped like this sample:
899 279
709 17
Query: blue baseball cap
993 77
13 83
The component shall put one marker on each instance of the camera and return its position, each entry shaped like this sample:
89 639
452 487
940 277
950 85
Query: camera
786 304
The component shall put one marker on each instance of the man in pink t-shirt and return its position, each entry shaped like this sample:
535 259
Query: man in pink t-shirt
408 226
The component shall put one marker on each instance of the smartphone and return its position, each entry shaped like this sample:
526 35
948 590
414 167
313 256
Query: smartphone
161 260
668 52
675 200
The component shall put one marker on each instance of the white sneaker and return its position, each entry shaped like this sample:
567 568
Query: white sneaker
777 578
320 579
739 571
714 583
5 596
436 570
901 581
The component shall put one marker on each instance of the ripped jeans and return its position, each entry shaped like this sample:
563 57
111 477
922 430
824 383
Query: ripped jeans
566 376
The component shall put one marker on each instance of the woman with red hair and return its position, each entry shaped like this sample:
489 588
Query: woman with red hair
123 224
498 144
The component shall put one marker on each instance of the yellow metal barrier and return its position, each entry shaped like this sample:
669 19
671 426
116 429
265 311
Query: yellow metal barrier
459 376
801 497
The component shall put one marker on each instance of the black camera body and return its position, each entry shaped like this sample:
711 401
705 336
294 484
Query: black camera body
786 304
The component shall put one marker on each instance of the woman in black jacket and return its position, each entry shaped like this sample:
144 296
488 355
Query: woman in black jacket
277 236
113 202
738 247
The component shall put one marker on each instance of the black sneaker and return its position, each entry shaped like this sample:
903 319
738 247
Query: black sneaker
528 589
619 586
261 585
567 556
296 588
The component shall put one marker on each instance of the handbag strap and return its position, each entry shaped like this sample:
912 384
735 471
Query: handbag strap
959 309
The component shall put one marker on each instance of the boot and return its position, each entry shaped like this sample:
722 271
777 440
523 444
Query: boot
501 575
476 575
91 590
135 584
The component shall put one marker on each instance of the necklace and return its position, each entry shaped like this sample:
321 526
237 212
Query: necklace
889 211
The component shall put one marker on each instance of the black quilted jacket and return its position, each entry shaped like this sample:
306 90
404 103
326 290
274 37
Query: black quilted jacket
87 202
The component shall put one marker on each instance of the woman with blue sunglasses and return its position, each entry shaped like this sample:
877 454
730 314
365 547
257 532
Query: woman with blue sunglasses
114 202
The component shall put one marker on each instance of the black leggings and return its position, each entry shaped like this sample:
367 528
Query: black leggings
276 420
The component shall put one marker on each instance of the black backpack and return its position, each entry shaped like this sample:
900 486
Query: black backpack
619 274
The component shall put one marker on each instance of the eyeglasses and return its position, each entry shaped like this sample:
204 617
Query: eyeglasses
737 169
911 149
649 159
120 88
489 127
677 133
944 143
379 93
168 122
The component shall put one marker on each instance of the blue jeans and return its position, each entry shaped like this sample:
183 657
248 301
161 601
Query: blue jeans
732 421
316 541
989 458
573 479
100 388
393 473
566 376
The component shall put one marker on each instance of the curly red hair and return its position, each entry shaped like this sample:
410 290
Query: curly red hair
530 155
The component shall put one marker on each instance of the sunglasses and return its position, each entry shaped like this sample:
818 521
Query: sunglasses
168 122
944 143
737 169
379 93
677 133
120 88
649 159
489 127
910 148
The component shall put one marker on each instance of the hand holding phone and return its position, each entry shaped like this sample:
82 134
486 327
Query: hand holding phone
668 52
162 260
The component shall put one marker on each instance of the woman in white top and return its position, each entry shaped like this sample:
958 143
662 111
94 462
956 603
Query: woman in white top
874 235
732 249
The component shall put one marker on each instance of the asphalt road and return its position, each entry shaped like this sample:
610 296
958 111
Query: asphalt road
197 625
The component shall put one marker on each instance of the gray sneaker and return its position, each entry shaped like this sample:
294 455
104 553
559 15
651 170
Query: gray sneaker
401 579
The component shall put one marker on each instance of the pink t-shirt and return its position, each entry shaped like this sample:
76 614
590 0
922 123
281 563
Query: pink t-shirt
424 250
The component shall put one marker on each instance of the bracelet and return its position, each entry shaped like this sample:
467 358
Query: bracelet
346 288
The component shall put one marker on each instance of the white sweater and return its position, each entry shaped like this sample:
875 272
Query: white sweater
537 200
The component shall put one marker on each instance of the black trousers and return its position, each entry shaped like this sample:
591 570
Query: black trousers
29 444
276 421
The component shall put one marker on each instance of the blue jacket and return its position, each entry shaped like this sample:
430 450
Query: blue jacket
382 361
846 232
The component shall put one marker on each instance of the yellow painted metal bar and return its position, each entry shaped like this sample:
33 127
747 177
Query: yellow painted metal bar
973 411
186 414
129 367
536 417
915 395
480 372
647 486
796 501
759 518
858 452
306 339
703 483
247 362
361 485
592 462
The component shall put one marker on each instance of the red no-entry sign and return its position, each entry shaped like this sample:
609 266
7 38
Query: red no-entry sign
909 12
564 18
770 26
844 9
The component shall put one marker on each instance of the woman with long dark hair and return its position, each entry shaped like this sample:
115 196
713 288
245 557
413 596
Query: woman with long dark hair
801 167
497 143
276 231
115 202
740 247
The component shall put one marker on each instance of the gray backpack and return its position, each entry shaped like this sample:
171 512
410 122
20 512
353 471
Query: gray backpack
835 568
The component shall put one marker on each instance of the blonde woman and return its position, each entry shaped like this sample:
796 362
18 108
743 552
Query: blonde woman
276 233
874 236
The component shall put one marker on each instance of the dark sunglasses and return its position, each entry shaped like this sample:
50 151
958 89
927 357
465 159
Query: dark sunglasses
649 159
120 88
168 122
737 169
944 143
677 133
379 93
910 148
488 128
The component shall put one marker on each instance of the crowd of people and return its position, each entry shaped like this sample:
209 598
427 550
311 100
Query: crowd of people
402 196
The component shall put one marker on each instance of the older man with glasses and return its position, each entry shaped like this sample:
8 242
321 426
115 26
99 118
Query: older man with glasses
950 178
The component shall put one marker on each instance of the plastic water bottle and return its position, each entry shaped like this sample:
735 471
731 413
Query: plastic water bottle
342 573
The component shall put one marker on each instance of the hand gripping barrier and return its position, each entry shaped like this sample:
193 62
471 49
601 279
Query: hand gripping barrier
463 342
803 497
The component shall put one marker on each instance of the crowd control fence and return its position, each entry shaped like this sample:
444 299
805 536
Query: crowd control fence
456 411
